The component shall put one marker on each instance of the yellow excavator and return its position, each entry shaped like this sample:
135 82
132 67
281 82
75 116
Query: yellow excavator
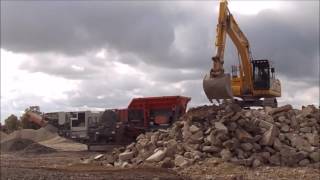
253 82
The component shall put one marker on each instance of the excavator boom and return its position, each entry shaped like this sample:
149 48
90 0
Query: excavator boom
217 84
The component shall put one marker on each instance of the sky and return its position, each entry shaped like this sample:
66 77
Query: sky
76 55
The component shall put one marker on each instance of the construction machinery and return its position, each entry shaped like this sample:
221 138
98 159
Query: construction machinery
100 129
252 81
122 126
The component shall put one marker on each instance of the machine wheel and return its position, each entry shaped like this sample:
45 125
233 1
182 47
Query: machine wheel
271 102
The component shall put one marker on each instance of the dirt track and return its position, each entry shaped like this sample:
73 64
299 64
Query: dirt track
65 165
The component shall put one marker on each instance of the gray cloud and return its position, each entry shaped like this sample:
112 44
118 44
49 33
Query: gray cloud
171 45
147 30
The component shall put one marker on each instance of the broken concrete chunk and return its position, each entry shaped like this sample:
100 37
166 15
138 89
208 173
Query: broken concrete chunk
285 128
243 135
172 147
265 124
197 137
211 149
154 138
180 161
167 163
125 156
269 136
185 131
125 165
275 159
246 146
220 127
99 156
313 138
300 143
265 156
236 116
277 145
290 157
304 162
194 129
306 111
207 131
256 146
231 143
281 119
232 126
306 129
226 155
157 156
315 156
269 149
280 109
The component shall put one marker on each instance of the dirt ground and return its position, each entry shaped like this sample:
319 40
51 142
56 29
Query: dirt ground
67 165
218 170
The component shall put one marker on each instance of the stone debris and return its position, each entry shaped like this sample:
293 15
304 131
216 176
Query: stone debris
157 156
126 156
280 136
98 156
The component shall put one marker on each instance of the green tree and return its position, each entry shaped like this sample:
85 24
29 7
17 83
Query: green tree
12 123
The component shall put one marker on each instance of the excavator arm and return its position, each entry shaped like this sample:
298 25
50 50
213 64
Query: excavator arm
216 84
242 44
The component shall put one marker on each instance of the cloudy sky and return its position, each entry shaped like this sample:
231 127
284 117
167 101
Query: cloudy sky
94 55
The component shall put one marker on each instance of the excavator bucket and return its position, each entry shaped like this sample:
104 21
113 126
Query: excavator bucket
218 87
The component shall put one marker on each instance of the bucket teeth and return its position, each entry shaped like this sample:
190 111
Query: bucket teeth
218 87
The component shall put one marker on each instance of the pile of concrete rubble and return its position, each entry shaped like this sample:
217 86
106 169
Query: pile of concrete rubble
277 136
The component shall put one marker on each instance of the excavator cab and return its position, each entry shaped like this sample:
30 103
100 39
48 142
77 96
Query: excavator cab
261 74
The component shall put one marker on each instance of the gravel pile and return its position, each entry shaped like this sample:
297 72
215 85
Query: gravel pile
15 145
25 146
41 134
37 148
45 139
3 135
276 136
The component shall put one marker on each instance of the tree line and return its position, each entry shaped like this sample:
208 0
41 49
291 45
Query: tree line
13 123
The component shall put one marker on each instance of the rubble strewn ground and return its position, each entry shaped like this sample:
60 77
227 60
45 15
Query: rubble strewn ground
210 142
281 137
68 165
214 168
